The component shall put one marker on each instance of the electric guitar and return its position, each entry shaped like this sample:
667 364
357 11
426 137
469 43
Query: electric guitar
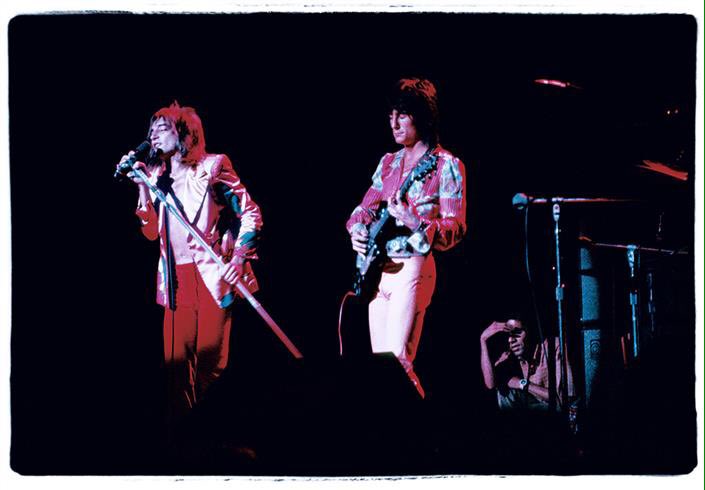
377 236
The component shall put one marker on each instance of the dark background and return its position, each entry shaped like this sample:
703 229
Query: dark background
298 102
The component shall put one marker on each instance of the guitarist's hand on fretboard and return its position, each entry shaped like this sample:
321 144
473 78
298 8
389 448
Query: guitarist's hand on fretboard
400 210
359 238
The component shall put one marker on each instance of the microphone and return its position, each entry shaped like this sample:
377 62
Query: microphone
520 200
126 166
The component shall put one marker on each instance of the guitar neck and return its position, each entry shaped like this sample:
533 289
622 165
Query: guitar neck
377 226
411 178
406 185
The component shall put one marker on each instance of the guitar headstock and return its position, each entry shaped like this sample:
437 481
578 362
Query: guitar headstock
425 167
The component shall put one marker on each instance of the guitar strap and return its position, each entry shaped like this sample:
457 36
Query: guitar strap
407 180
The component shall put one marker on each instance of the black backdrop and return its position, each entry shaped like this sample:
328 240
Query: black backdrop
298 102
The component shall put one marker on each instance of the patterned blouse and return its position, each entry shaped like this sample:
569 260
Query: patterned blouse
438 201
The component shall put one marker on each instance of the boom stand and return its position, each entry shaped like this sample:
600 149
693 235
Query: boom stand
634 253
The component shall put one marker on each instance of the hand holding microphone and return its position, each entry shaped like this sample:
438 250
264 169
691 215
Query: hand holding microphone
126 169
127 162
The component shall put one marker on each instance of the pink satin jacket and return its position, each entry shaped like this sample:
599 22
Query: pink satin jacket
202 211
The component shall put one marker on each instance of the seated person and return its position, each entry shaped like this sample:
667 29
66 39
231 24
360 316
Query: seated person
520 373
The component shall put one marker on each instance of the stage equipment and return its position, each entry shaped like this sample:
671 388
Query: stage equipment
521 201
556 83
590 322
633 256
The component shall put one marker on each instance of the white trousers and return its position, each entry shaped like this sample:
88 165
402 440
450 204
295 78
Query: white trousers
397 310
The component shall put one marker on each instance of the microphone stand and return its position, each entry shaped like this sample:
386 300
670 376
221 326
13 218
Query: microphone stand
521 201
633 260
242 289
563 392
621 246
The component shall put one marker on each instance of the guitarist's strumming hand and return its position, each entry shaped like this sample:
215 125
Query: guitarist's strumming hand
400 210
359 238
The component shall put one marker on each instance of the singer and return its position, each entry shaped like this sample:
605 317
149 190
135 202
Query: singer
195 293
430 216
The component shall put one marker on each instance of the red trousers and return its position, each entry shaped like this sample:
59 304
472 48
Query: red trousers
196 341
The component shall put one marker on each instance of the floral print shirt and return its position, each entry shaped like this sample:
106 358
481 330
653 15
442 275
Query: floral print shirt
437 200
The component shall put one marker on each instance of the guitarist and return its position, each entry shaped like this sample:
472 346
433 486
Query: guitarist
429 216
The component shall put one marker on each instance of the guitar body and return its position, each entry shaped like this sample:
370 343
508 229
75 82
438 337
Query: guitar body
365 284
368 268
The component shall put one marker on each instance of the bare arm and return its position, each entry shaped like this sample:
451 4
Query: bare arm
538 391
486 366
485 362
